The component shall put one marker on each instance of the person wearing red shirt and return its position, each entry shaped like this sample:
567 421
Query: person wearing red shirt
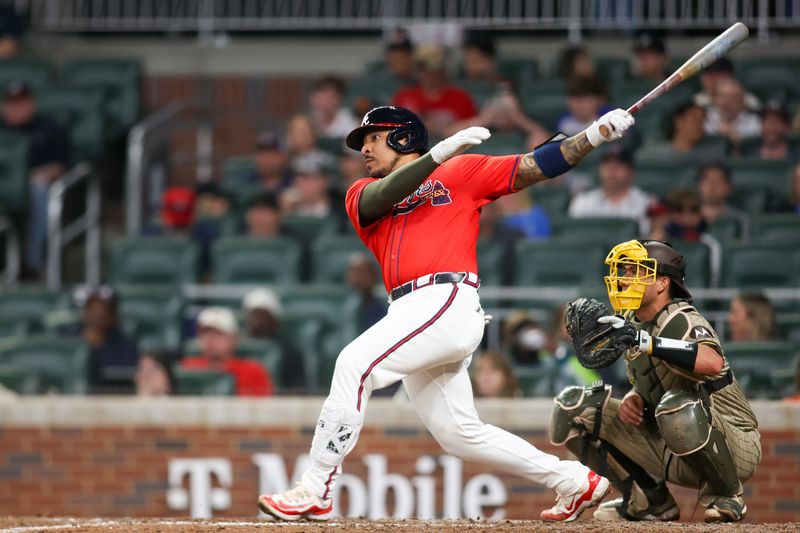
217 332
418 213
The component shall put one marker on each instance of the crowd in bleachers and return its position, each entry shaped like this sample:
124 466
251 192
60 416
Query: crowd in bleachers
712 166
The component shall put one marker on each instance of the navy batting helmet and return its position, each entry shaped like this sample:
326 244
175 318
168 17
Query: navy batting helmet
403 125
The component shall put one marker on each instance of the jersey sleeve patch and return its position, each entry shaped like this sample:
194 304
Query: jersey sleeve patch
700 333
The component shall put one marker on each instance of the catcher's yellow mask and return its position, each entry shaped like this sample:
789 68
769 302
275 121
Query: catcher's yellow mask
630 270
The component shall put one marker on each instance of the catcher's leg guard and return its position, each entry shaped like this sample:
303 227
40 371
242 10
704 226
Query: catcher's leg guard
685 426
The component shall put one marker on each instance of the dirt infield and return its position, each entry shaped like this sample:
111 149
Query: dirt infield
78 525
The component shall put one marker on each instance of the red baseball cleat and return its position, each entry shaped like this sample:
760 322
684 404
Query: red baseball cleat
296 504
568 508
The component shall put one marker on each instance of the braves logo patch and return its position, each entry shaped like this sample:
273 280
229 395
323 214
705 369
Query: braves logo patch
432 191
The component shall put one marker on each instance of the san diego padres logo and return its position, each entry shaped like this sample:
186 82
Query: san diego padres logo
434 191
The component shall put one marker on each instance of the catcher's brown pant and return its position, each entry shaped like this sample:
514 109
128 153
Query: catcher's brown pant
651 453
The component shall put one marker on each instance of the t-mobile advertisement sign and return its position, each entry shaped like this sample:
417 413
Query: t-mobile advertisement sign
207 488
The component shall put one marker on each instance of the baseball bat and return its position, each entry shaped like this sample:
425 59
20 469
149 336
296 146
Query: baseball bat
721 45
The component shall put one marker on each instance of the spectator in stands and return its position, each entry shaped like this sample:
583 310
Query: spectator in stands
775 124
212 207
715 187
263 217
617 196
312 194
658 216
113 356
48 158
10 32
301 142
480 58
794 190
331 118
524 339
519 212
361 277
271 170
685 133
751 318
438 103
399 56
217 332
177 212
351 169
494 377
796 397
685 219
721 69
728 114
263 320
154 376
652 62
576 62
586 102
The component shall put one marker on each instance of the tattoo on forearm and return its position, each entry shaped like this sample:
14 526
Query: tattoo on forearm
574 149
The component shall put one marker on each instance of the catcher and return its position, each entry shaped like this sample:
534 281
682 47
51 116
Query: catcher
686 419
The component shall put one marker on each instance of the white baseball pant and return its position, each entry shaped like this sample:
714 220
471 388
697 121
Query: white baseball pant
426 339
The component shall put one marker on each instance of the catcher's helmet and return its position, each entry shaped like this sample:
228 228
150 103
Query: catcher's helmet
403 125
649 257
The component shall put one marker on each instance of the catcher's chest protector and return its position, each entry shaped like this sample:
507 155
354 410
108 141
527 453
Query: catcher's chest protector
649 375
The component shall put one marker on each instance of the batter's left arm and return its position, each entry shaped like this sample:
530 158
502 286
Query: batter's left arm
573 150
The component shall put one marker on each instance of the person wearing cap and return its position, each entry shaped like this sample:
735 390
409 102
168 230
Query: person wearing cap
399 57
685 136
480 58
263 217
721 69
331 118
728 115
438 102
217 335
264 314
311 193
587 99
686 420
652 62
775 126
617 196
270 171
176 214
48 158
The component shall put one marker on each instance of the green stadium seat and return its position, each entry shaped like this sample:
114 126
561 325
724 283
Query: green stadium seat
481 91
603 230
777 227
24 310
267 352
19 380
380 89
772 78
789 326
121 79
61 363
698 262
80 111
612 69
751 201
553 198
492 262
544 100
319 301
726 229
233 167
330 257
518 69
37 73
501 144
660 177
151 315
308 333
533 382
308 229
245 260
559 263
756 173
758 265
153 261
203 383
332 145
13 173
764 369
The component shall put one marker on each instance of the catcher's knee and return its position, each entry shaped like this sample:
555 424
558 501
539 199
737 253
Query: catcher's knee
574 408
683 421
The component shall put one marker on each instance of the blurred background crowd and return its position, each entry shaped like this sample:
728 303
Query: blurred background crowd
246 278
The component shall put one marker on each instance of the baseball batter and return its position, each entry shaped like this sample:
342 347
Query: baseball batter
686 420
418 213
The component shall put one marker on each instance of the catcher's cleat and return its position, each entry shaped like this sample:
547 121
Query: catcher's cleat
611 511
296 504
724 509
568 508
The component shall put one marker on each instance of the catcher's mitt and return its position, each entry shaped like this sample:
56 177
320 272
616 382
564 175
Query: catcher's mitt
597 345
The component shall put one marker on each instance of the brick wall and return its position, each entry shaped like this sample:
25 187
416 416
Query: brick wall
103 468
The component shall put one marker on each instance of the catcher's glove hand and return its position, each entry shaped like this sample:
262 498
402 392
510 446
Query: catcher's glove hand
599 337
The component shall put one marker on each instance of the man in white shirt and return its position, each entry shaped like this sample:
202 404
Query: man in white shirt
728 115
331 118
616 196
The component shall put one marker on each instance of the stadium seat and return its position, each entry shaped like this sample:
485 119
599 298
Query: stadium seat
553 198
246 260
770 78
559 263
267 352
544 100
332 145
379 89
777 227
758 265
153 261
121 79
612 69
751 201
501 144
756 173
203 383
308 229
80 111
61 363
24 310
763 369
518 69
151 315
330 257
19 380
698 262
605 231
13 173
481 91
493 267
37 73
659 177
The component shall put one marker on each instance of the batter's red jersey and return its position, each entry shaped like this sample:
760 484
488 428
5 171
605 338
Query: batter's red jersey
435 229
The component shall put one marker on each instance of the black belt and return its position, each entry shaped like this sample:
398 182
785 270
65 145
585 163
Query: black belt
719 384
441 277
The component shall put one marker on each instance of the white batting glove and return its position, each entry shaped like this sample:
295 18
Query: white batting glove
457 143
614 124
